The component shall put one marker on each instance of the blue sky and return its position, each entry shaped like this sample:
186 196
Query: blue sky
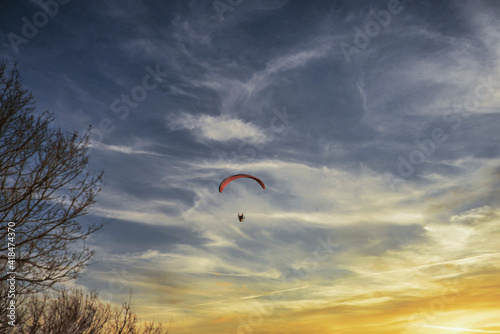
374 125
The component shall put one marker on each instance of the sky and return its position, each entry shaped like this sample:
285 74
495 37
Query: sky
373 124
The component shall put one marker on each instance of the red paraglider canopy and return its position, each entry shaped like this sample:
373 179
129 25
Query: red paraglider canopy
225 182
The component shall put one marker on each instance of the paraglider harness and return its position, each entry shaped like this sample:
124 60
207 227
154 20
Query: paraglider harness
241 217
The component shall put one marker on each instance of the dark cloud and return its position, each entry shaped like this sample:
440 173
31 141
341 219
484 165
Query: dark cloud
121 237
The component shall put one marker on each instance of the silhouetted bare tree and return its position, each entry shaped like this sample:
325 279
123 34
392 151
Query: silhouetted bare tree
45 185
77 312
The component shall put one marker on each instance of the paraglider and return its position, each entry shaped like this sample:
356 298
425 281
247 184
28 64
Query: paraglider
225 182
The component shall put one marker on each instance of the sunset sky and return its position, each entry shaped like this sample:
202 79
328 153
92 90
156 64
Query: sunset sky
374 125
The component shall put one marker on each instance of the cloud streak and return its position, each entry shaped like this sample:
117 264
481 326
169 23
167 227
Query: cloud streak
218 128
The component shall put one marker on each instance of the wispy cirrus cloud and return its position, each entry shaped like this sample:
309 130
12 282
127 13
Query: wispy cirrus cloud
123 149
216 128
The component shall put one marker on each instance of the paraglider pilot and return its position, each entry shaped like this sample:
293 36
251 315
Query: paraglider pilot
241 217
